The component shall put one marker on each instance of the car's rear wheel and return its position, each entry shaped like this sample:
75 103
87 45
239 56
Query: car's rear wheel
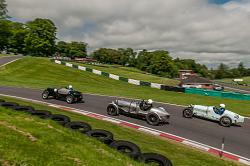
153 119
188 113
112 110
225 121
69 99
45 94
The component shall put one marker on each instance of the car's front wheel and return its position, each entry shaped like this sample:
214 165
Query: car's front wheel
187 113
153 119
69 99
225 121
45 94
112 110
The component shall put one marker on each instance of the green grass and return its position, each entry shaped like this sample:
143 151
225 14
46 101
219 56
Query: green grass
41 73
2 55
131 72
245 80
60 146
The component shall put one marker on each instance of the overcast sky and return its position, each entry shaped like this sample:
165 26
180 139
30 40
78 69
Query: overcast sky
210 31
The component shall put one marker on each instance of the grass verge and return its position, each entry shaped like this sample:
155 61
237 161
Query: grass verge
131 72
41 73
55 145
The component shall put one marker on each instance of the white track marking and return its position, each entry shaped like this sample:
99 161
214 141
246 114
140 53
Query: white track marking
9 62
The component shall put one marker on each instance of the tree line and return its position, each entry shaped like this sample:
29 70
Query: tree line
38 38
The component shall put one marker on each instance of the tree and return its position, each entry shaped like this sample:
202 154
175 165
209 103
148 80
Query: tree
18 34
143 60
242 70
222 72
5 34
107 55
40 40
3 9
162 64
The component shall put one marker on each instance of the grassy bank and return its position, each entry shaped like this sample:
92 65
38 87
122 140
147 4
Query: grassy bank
41 73
131 72
230 80
48 143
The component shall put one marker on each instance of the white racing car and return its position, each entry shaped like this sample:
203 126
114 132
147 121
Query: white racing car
225 118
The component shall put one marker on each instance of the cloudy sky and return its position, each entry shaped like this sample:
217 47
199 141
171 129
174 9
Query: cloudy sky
209 31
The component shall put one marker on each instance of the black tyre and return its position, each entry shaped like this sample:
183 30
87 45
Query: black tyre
225 121
44 114
78 126
26 109
102 135
155 159
61 119
128 148
187 113
112 110
69 99
8 104
2 101
153 119
45 94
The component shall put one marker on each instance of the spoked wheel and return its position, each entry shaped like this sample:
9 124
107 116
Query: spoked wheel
225 121
69 99
45 94
187 113
152 119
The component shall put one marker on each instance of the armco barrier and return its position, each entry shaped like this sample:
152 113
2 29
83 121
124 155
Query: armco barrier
197 91
222 94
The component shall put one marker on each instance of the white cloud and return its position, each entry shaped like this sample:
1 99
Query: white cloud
205 32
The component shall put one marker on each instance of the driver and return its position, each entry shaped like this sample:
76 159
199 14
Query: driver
70 87
146 105
221 109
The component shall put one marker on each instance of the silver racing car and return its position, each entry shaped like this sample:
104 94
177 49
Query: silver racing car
141 109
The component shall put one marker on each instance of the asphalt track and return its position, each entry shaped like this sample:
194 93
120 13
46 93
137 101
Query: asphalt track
211 133
7 59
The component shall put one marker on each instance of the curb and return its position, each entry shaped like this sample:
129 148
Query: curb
194 144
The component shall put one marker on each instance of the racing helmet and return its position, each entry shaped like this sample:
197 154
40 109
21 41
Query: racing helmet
70 86
150 101
222 105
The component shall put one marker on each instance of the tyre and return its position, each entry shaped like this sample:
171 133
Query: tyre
112 110
187 113
155 159
225 121
61 119
102 135
128 148
26 109
45 94
69 99
8 104
153 119
44 114
2 101
78 126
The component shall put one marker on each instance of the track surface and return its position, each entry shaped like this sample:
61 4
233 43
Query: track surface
6 59
236 138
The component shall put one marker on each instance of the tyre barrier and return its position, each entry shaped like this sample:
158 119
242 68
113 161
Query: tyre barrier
43 114
60 119
154 158
128 148
101 135
125 147
81 127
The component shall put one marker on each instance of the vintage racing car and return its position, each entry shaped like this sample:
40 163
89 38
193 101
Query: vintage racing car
141 109
225 118
67 94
